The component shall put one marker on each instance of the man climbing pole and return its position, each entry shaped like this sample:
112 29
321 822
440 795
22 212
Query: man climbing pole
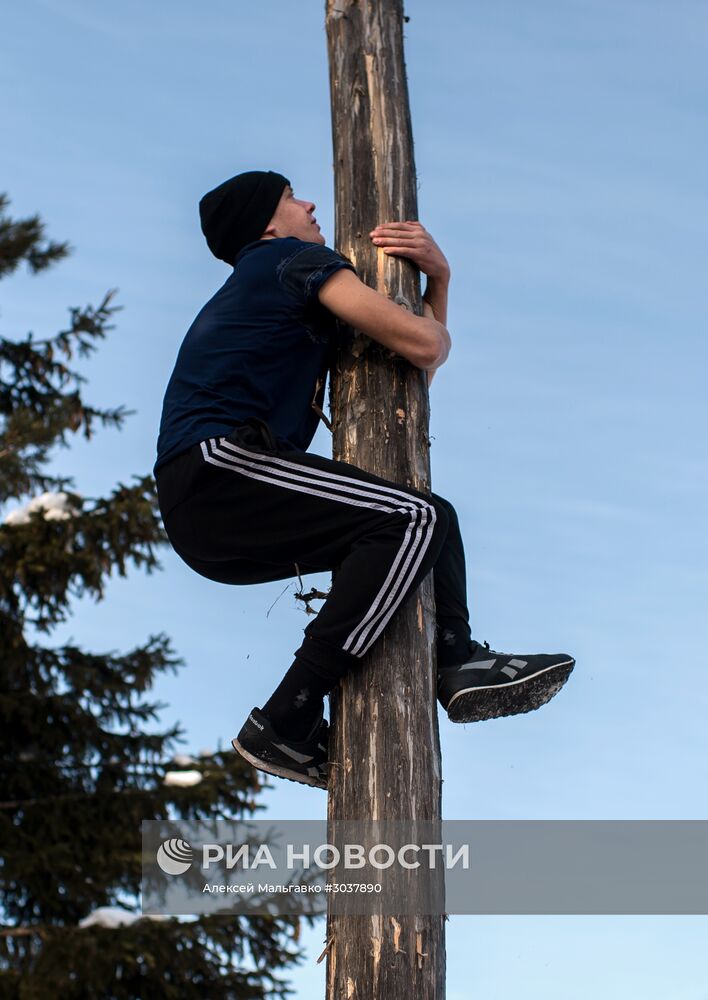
243 501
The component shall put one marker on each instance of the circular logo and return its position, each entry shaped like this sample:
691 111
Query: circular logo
175 856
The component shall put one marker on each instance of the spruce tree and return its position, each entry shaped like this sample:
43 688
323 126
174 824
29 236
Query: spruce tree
84 754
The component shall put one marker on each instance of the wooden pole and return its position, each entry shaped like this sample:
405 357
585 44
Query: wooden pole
385 741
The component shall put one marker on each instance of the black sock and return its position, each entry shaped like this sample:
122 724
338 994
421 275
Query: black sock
453 642
295 704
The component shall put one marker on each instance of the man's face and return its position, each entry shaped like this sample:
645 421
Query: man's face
293 217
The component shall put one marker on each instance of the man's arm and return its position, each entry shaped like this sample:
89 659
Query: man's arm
412 240
422 340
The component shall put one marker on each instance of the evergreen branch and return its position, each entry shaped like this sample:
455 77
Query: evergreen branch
23 240
39 392
45 563
88 325
41 401
7 932
169 793
65 797
159 769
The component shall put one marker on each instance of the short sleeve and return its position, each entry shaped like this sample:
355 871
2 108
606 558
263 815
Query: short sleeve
305 271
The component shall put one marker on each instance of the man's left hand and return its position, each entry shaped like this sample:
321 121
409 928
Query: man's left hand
412 240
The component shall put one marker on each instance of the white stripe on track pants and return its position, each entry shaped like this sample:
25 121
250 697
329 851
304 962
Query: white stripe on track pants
241 509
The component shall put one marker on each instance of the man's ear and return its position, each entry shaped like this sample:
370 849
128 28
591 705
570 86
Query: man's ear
269 231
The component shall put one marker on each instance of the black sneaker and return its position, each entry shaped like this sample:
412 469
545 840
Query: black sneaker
490 684
304 761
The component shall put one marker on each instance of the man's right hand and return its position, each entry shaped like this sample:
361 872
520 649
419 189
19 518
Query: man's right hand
412 240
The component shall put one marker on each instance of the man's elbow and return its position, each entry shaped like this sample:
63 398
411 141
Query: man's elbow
433 354
427 361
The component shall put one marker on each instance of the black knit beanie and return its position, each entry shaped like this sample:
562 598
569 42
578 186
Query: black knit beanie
236 212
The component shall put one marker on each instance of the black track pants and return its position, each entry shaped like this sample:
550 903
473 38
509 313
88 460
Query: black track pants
243 509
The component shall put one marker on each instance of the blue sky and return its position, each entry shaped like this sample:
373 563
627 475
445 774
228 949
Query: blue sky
561 152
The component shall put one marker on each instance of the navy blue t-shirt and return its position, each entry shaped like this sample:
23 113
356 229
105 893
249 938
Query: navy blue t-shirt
256 349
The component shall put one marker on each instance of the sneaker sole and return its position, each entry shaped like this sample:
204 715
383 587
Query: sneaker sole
276 769
494 701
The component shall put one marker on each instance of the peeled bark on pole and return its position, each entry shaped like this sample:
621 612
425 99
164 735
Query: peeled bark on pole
385 741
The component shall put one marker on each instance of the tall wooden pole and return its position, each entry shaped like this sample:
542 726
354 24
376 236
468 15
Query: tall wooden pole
385 741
